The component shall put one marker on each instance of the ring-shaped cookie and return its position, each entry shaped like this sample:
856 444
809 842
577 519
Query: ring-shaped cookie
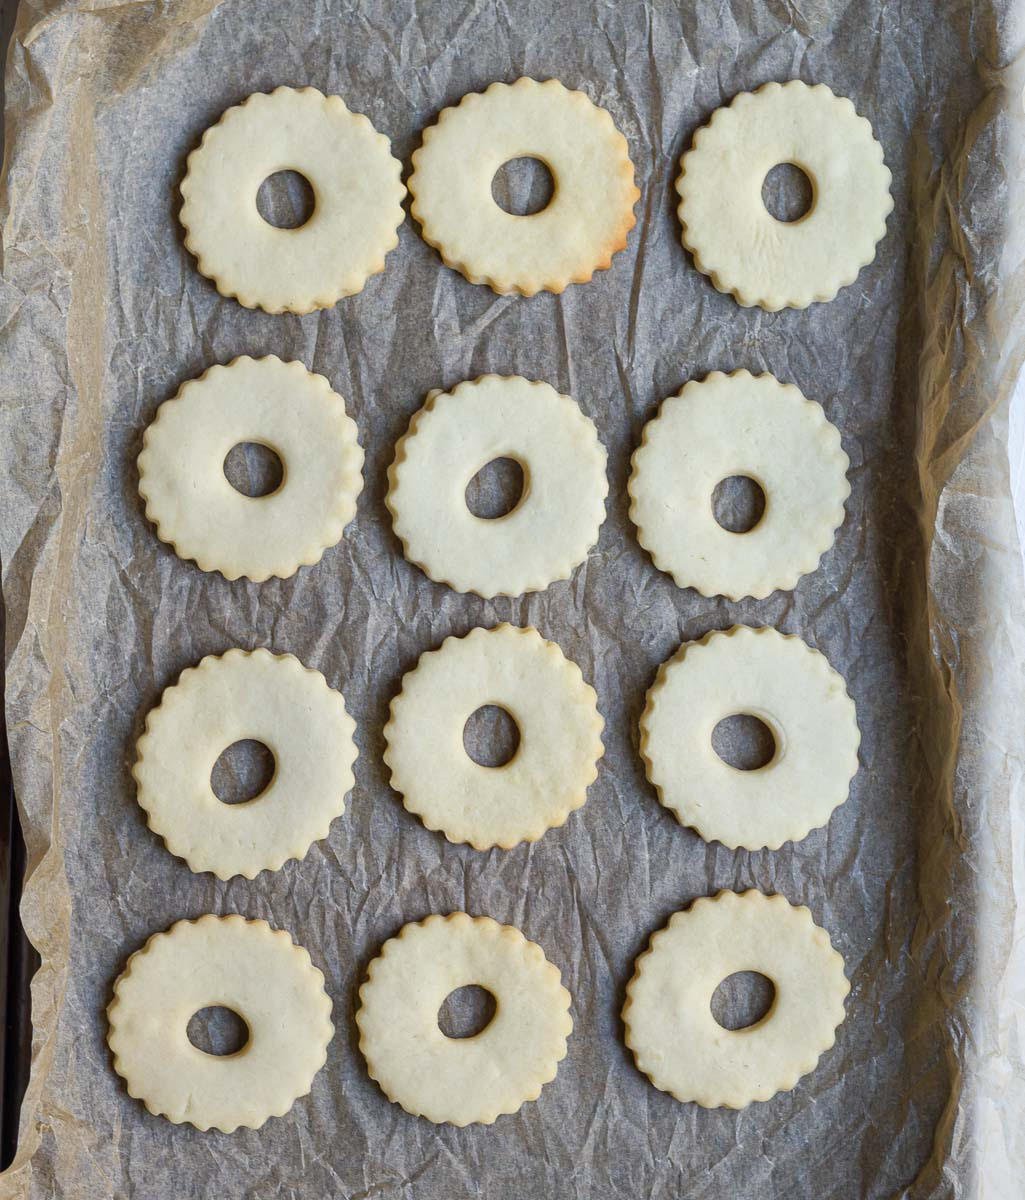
675 1039
277 404
228 962
461 1081
576 234
357 196
736 240
738 424
788 686
243 695
559 513
547 778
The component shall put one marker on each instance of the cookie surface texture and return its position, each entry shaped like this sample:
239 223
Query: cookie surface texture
279 405
576 234
228 962
732 235
556 521
556 714
747 425
462 1080
789 687
243 695
675 1039
357 201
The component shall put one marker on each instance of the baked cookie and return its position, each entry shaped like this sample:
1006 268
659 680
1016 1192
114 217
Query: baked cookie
734 238
788 686
227 962
243 694
462 1081
668 1018
547 778
576 234
277 404
749 425
556 521
357 194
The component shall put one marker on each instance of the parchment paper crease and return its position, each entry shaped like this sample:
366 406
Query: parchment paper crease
103 315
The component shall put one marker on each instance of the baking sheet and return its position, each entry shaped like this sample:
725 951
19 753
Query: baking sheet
103 315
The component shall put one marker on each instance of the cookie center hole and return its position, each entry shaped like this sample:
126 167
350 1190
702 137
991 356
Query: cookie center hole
738 503
286 200
491 736
496 489
788 193
743 999
744 742
218 1030
242 772
523 187
253 469
466 1012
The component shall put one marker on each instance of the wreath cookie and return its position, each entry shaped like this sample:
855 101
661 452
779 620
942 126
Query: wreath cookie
462 1080
272 699
228 962
675 1039
547 778
788 686
554 524
577 233
357 201
739 424
280 405
735 239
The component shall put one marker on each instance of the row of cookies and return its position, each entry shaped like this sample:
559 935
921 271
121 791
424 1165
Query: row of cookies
358 194
721 426
272 984
293 711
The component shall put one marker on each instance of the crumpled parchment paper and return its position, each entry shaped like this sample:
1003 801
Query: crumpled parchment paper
103 315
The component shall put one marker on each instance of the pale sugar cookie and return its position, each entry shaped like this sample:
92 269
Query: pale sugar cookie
277 404
748 425
228 962
549 531
357 196
547 778
675 1039
788 686
243 695
736 240
576 234
462 1080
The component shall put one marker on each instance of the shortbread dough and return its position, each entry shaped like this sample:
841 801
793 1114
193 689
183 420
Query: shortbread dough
736 240
226 962
557 519
738 424
280 405
272 699
675 1039
560 738
791 688
462 1080
357 193
591 210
